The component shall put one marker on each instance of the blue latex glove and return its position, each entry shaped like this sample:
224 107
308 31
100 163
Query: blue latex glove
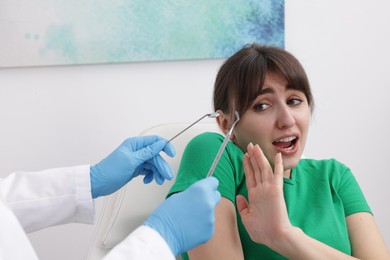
135 156
186 219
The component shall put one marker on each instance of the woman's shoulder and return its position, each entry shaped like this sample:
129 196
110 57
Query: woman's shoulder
330 162
212 140
330 167
208 139
207 136
203 143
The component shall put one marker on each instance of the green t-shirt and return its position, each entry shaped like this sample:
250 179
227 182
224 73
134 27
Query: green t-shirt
319 194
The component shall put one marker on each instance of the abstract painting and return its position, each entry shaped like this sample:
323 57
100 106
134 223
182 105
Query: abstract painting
68 32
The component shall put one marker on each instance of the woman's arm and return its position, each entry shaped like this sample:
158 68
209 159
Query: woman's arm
366 240
225 244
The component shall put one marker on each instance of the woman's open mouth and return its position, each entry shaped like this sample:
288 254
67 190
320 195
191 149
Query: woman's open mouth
287 145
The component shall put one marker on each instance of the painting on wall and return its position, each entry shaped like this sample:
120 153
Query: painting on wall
69 32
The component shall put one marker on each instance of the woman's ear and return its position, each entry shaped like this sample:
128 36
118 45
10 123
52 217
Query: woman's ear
223 121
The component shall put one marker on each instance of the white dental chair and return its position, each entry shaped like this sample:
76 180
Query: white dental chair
128 208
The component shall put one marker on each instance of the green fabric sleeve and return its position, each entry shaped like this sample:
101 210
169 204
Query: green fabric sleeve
196 162
351 193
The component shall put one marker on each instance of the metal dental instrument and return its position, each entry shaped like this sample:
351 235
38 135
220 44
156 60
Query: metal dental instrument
210 115
223 145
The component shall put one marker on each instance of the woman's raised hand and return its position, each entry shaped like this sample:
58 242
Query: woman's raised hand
264 215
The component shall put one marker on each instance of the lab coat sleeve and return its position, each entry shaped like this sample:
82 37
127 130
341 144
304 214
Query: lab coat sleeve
143 243
14 244
50 197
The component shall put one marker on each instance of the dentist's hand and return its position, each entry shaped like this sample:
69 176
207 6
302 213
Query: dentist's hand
186 219
135 156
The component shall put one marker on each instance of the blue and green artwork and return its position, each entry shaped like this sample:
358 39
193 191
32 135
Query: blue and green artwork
64 32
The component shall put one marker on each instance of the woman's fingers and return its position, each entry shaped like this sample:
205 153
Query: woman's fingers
262 164
242 205
249 172
257 167
278 171
254 163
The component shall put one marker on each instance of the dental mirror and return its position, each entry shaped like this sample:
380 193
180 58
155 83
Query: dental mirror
210 115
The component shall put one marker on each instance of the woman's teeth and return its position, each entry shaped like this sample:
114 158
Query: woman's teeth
286 143
287 139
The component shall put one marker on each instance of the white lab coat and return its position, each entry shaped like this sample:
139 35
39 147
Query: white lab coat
30 201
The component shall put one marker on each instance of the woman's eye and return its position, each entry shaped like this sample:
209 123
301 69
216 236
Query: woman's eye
261 107
294 101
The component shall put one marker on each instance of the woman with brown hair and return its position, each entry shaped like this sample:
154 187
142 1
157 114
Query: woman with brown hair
275 205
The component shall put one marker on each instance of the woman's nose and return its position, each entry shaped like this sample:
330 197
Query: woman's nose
285 118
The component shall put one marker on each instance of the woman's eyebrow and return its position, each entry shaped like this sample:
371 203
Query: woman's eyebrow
265 90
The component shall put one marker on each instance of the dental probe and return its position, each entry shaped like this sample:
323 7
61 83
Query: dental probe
222 148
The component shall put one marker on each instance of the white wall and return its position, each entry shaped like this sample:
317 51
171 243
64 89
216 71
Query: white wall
62 116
